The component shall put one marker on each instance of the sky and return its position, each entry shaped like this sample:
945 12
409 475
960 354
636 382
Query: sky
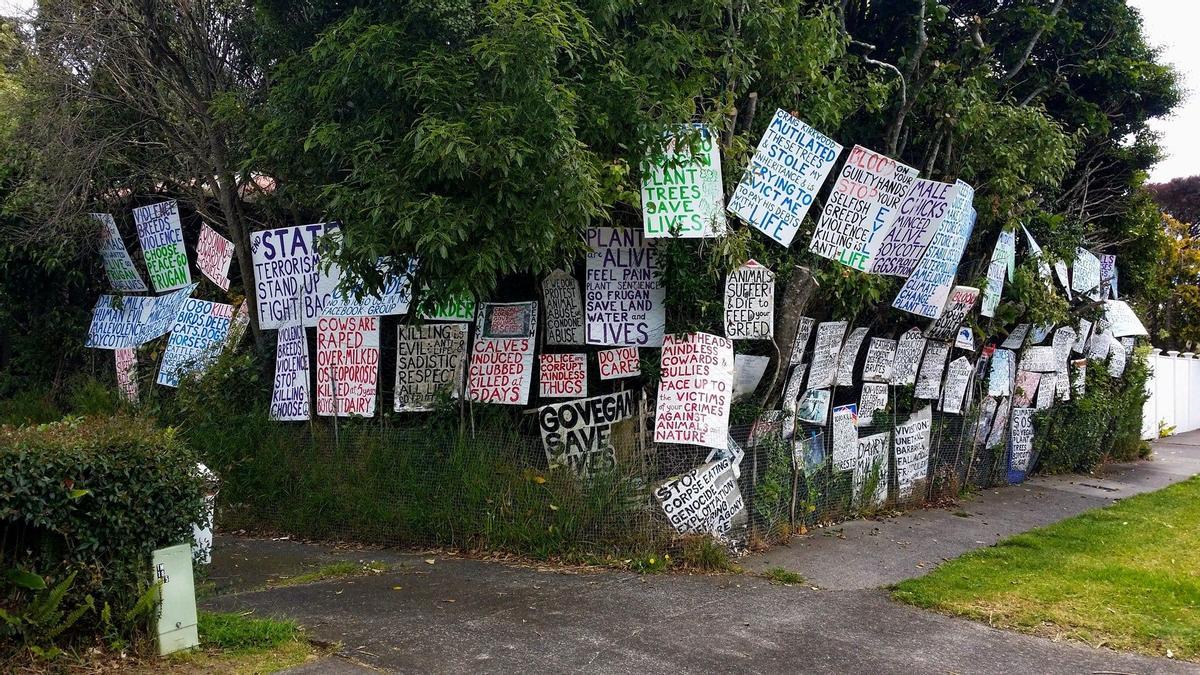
1170 25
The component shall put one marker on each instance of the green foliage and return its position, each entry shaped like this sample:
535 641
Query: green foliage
94 497
235 632
785 577
38 613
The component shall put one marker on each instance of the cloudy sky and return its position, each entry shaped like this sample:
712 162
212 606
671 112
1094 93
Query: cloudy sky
1170 25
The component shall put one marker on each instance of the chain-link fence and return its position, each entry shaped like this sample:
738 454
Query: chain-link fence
477 478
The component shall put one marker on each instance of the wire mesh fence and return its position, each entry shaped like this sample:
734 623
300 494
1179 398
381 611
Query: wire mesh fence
460 482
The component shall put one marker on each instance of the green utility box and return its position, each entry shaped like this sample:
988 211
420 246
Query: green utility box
177 611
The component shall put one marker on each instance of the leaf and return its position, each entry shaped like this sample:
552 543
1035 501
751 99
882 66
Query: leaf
27 580
78 492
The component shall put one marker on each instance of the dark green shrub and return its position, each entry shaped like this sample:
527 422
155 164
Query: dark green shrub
93 497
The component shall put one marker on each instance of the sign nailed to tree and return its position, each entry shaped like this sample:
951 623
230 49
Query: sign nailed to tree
784 176
161 236
750 303
214 254
682 194
286 271
626 302
695 391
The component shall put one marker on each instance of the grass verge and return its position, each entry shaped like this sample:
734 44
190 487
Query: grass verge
1125 577
239 643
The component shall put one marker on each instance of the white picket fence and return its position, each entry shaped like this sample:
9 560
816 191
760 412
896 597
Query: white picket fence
1174 386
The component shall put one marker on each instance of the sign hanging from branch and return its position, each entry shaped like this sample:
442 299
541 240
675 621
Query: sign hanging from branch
161 236
122 274
682 191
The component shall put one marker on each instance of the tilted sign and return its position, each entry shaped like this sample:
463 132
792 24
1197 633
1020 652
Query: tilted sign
578 434
958 306
750 303
1085 274
430 364
345 294
874 398
825 354
1039 256
619 363
682 194
847 357
925 291
501 369
958 376
784 176
865 199
803 332
132 320
563 307
912 451
921 213
1017 337
695 390
908 356
562 375
1121 320
291 394
1000 375
626 302
1002 264
122 274
347 365
214 254
197 338
161 236
929 379
1108 276
286 272
705 500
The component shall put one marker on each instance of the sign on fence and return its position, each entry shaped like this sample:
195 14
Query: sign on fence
814 407
695 390
1000 376
750 303
214 254
784 176
871 467
619 363
456 308
1085 274
290 395
161 236
1020 444
874 398
682 194
1121 320
345 294
800 344
1025 387
563 307
958 306
865 199
912 451
347 365
501 369
933 364
286 272
958 376
847 357
921 213
626 302
197 337
1003 263
877 366
562 375
122 274
925 291
578 434
825 354
1041 359
1017 337
430 363
845 437
747 373
705 500
908 356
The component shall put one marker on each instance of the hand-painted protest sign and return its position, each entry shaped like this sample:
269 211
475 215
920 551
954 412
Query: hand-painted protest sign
562 375
784 176
117 321
682 194
1025 388
825 354
750 303
197 337
705 500
430 363
933 364
122 274
865 199
501 368
1038 333
695 390
800 344
983 423
1085 274
926 290
345 294
1113 287
958 377
1116 358
1020 444
958 306
127 384
618 363
1060 271
999 428
814 407
1129 343
845 437
214 254
1000 375
873 399
1122 322
578 434
161 236
1062 385
912 451
908 357
877 366
791 390
1047 387
965 339
626 302
848 356
1108 270
1098 346
291 398
1003 263
455 308
1083 331
159 318
921 214
347 365
1016 339
1036 252
286 274
871 468
747 373
563 307
1042 359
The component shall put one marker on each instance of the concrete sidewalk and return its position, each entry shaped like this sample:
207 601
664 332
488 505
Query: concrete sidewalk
459 615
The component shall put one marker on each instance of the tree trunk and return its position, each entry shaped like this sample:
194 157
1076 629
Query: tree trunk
796 296
236 223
